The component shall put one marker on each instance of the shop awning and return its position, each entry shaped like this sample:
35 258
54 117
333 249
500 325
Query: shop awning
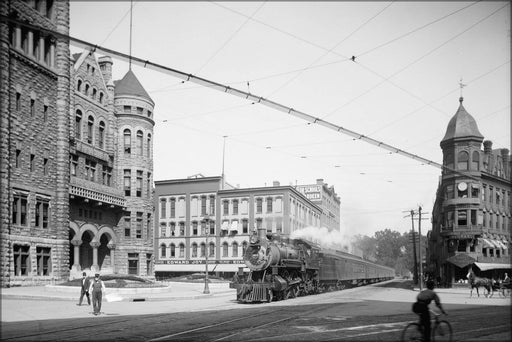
486 243
501 244
484 266
461 260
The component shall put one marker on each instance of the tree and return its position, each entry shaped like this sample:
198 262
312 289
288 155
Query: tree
367 246
389 247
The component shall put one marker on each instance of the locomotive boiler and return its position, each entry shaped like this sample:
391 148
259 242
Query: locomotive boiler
282 268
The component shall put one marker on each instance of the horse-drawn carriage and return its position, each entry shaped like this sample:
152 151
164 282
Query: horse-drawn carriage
490 285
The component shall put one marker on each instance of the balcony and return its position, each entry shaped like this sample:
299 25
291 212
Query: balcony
96 192
91 151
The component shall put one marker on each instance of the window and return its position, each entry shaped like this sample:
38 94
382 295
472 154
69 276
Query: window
203 249
101 135
18 158
163 229
45 166
212 227
43 255
225 249
127 141
127 225
182 228
140 110
90 170
86 92
475 190
194 228
194 250
211 250
127 182
235 250
49 9
463 160
173 228
225 208
473 217
18 101
90 129
149 113
138 191
78 125
74 165
173 207
94 92
148 184
148 146
182 250
32 162
163 251
462 245
133 263
173 251
79 85
475 161
19 209
127 109
45 113
259 205
449 192
212 205
21 260
203 205
32 107
163 207
107 175
269 205
235 207
245 226
138 226
139 142
42 211
462 219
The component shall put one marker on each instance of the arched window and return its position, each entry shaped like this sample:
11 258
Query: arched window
194 250
78 125
182 250
202 249
79 85
101 97
173 251
211 250
127 141
163 251
94 91
139 142
101 135
235 250
463 160
90 129
225 249
448 160
86 89
475 161
244 247
148 146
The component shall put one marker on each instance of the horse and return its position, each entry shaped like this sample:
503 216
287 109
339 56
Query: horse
476 282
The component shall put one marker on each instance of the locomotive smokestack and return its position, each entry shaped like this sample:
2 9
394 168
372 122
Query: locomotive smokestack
262 233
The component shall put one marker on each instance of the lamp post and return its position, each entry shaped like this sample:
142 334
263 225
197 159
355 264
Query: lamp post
206 252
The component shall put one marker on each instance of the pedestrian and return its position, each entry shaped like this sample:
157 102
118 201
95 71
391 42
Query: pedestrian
96 288
84 289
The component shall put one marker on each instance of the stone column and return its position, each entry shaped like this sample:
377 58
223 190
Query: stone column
40 58
112 248
95 267
76 261
30 50
18 38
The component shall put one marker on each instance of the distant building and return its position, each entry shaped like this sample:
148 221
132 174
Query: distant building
471 218
326 198
76 176
183 205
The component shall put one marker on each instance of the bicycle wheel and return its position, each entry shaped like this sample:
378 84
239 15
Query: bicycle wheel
412 332
442 332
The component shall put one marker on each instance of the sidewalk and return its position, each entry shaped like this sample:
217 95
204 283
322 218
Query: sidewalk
174 291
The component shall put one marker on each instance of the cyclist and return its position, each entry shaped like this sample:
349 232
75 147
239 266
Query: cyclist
421 307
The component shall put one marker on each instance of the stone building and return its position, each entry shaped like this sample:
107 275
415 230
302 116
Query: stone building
326 198
77 157
471 218
195 215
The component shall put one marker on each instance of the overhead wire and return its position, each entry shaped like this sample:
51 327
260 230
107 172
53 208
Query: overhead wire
120 21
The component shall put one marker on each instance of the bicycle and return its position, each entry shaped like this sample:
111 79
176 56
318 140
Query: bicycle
441 330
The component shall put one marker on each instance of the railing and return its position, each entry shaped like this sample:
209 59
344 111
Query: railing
96 192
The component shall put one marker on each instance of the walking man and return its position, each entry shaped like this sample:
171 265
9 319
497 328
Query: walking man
96 288
84 290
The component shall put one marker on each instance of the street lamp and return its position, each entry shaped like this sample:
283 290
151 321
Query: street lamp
206 252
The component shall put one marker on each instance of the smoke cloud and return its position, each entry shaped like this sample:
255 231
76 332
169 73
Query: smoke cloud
323 237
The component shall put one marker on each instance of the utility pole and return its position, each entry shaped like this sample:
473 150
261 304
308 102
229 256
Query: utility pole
419 248
415 276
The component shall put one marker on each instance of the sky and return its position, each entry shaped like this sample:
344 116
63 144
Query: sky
402 88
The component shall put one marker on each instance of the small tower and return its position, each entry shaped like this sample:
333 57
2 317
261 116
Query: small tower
133 108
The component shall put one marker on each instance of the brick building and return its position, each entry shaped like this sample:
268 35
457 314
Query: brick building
326 198
77 158
471 218
190 211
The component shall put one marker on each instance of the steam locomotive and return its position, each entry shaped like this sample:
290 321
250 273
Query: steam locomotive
282 268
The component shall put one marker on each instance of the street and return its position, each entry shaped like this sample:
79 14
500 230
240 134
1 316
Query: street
336 316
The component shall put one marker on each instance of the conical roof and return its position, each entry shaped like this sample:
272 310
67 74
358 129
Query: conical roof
462 125
130 85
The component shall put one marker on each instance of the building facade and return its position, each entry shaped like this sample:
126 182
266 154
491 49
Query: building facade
471 218
77 157
326 198
195 216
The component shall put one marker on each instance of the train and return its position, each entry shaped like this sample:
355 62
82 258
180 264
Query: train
281 268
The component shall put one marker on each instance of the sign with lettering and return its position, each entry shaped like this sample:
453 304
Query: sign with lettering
197 262
312 192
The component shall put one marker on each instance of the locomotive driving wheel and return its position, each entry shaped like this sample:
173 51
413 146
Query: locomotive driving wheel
270 295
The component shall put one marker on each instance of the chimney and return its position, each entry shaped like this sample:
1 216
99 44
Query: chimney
320 181
487 146
276 183
505 159
105 63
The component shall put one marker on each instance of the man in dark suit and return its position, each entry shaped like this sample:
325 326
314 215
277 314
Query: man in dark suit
85 289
